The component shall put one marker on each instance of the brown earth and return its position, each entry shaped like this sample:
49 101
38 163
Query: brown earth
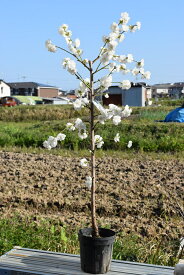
142 195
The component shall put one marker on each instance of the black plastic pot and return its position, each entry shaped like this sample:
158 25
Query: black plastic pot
96 253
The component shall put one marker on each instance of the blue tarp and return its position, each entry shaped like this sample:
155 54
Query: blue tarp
176 115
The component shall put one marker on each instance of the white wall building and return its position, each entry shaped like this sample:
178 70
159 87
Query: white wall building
4 89
137 95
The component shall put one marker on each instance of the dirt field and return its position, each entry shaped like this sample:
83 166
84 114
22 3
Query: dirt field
140 196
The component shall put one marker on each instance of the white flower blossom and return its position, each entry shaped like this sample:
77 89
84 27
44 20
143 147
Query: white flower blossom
50 46
124 18
53 141
84 162
114 27
146 75
61 137
106 57
112 36
79 124
69 65
126 112
77 104
135 71
63 27
98 140
112 45
122 58
125 28
125 84
129 145
88 182
106 82
46 144
82 134
138 25
117 137
116 120
129 58
77 43
70 126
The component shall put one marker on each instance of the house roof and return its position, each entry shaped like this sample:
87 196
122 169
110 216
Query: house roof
1 80
167 85
134 84
26 85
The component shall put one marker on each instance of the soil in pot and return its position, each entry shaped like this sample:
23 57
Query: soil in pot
96 253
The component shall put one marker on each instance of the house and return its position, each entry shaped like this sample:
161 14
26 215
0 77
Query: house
177 90
33 89
137 95
161 90
173 90
4 89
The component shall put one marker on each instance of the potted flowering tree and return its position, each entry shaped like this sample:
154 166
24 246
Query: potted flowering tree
97 257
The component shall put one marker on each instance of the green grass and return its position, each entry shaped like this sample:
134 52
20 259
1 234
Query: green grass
146 136
51 235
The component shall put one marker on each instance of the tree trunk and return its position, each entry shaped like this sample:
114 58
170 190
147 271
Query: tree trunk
92 134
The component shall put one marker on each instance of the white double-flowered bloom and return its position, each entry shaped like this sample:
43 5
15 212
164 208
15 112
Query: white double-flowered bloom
129 58
106 57
79 124
83 88
70 126
124 28
84 162
126 112
77 43
146 75
116 120
105 82
64 31
122 58
114 27
69 65
112 45
50 46
61 137
135 71
79 103
46 144
82 134
88 182
117 137
129 145
135 27
125 84
98 140
124 18
52 141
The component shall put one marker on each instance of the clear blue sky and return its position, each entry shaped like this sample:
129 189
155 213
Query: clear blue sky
26 24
